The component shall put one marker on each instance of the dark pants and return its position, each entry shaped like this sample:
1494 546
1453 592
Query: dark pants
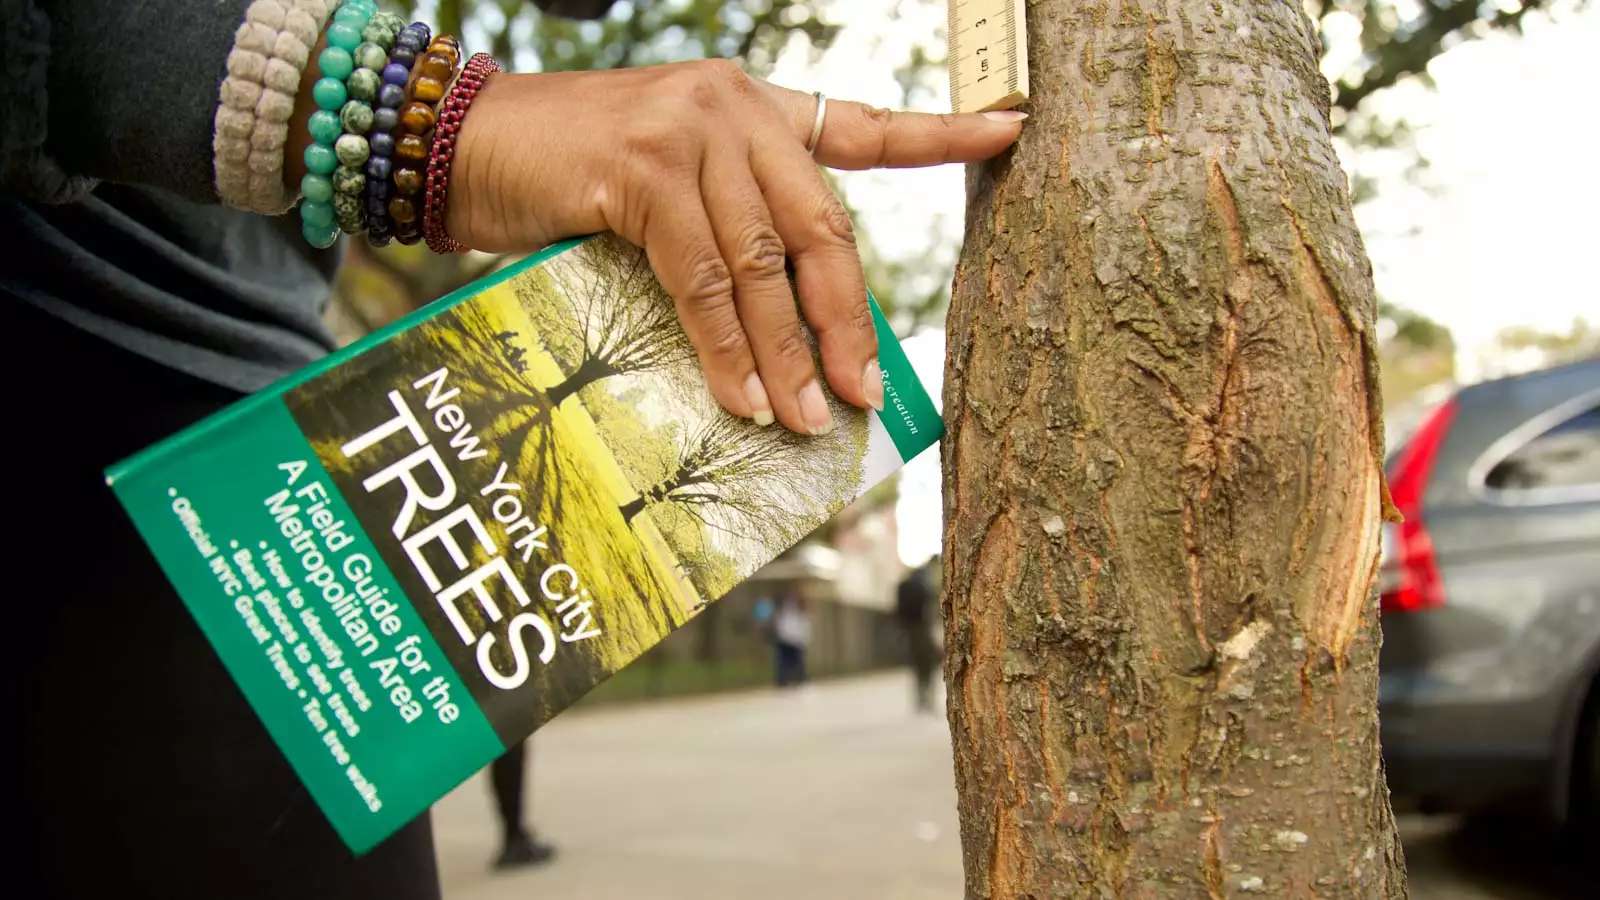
791 664
506 774
143 772
924 661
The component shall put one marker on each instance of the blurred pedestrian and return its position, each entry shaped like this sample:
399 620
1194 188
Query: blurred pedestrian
518 845
791 634
913 601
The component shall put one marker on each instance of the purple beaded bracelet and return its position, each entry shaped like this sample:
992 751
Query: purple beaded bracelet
408 47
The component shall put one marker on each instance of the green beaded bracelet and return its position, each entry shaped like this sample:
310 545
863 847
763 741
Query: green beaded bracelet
370 56
377 31
335 62
344 36
349 180
352 150
329 93
348 212
318 214
320 159
325 126
355 15
319 236
382 29
316 188
363 85
355 117
322 214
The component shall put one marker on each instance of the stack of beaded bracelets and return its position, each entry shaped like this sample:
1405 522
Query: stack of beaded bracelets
359 41
385 170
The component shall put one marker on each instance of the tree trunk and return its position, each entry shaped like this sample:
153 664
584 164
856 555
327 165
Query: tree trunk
631 508
588 372
1163 481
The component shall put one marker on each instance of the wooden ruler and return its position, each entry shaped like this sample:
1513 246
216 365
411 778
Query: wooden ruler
988 55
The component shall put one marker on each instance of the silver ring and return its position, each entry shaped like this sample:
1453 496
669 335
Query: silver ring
816 127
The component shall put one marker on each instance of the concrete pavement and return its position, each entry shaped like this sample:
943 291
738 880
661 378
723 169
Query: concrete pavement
835 791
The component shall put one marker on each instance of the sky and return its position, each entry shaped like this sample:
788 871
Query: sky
1505 235
1498 234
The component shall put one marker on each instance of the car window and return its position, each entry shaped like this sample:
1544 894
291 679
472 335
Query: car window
1565 455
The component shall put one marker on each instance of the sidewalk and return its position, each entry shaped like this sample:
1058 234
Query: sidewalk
837 790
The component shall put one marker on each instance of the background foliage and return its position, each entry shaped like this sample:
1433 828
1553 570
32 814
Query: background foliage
1371 46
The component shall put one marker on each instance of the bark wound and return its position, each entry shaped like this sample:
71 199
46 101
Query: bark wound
1162 475
983 683
1347 554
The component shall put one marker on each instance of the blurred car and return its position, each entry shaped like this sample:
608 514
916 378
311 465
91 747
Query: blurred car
1490 671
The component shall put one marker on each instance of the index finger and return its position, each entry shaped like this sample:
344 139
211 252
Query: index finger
857 136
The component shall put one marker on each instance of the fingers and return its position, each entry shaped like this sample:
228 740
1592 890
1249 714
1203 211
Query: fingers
857 136
755 255
833 292
746 196
684 253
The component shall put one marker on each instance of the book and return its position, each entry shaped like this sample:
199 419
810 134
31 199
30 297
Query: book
415 552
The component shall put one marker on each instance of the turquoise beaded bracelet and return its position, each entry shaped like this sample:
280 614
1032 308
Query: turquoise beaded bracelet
336 66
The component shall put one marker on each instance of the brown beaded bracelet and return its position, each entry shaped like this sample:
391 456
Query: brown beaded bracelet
452 112
418 117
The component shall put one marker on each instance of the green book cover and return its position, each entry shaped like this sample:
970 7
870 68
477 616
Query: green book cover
417 551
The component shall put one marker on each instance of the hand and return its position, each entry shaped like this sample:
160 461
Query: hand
706 168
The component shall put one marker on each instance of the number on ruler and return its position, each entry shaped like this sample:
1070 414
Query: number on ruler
987 40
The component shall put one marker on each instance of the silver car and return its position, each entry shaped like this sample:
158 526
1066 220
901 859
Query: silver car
1490 689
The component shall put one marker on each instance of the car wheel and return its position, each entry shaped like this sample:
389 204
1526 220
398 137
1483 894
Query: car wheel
1586 768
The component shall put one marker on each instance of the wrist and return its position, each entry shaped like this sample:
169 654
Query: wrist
525 168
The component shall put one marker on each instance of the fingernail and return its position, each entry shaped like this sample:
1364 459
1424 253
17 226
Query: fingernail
814 409
1007 116
756 394
872 384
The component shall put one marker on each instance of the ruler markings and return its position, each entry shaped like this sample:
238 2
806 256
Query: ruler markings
986 38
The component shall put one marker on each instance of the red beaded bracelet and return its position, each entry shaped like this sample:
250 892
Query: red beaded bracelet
451 114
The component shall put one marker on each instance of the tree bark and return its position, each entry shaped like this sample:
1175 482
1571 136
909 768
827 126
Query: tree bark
1163 475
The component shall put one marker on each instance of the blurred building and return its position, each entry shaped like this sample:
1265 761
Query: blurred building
848 576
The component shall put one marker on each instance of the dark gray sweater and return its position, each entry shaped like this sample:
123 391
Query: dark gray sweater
108 213
110 220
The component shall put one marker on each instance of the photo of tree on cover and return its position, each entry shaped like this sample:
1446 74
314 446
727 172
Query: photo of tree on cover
578 377
727 494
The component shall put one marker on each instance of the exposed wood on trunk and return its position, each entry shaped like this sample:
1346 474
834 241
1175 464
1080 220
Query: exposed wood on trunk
1163 480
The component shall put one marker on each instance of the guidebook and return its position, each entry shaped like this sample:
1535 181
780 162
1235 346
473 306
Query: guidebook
417 551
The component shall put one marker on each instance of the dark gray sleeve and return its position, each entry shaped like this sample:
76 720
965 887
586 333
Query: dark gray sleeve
114 90
25 169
